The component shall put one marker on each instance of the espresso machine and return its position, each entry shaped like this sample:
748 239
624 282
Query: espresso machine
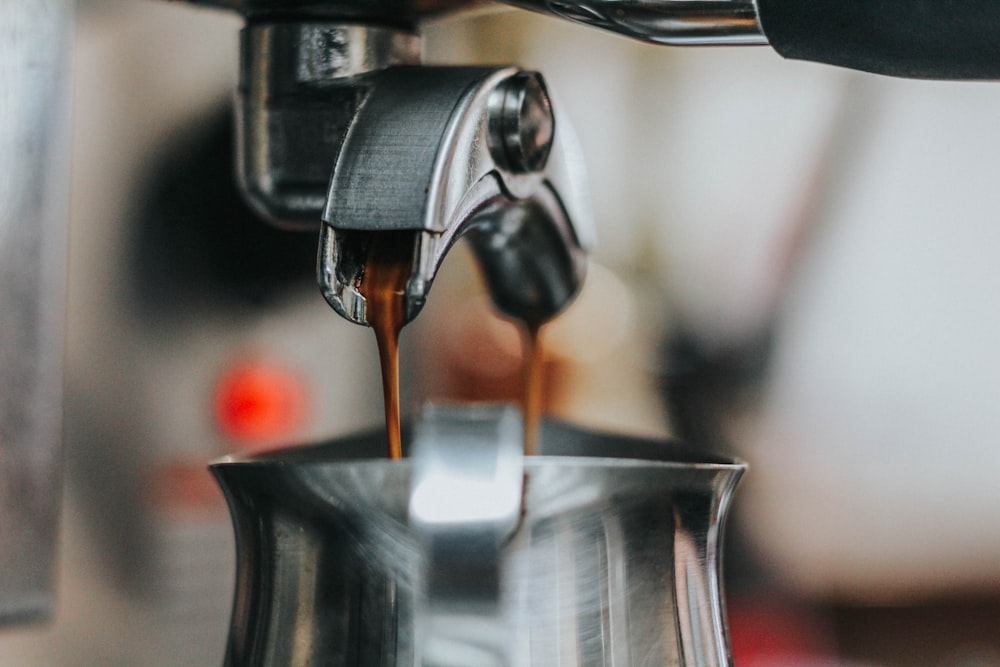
334 106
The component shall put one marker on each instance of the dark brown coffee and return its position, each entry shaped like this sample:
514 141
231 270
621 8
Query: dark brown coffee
532 399
383 283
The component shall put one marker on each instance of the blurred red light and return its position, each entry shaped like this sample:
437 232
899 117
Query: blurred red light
257 402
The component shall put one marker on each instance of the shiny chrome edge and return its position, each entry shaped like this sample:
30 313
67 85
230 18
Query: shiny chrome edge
668 22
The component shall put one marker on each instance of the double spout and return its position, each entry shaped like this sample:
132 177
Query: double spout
447 153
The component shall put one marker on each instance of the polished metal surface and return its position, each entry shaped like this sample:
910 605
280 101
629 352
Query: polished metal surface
300 87
386 12
676 22
611 558
522 124
34 184
421 155
465 501
671 22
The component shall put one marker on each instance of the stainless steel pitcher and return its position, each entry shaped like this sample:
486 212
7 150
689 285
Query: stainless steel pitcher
604 550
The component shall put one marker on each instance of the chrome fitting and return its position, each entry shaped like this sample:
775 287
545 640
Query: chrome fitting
301 83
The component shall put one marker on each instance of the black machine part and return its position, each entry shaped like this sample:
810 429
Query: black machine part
926 39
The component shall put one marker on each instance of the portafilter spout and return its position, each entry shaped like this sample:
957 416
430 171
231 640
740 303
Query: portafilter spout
447 152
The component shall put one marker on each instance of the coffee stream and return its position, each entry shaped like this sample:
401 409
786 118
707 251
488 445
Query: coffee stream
388 265
383 285
532 388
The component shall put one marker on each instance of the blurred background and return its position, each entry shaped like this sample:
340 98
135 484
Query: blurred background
796 264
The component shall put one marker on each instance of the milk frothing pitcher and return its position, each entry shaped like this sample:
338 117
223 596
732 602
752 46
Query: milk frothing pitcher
602 550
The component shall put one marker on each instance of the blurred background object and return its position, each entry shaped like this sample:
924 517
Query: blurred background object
34 198
795 264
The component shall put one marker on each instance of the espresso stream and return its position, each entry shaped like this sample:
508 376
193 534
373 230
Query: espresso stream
532 389
383 285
